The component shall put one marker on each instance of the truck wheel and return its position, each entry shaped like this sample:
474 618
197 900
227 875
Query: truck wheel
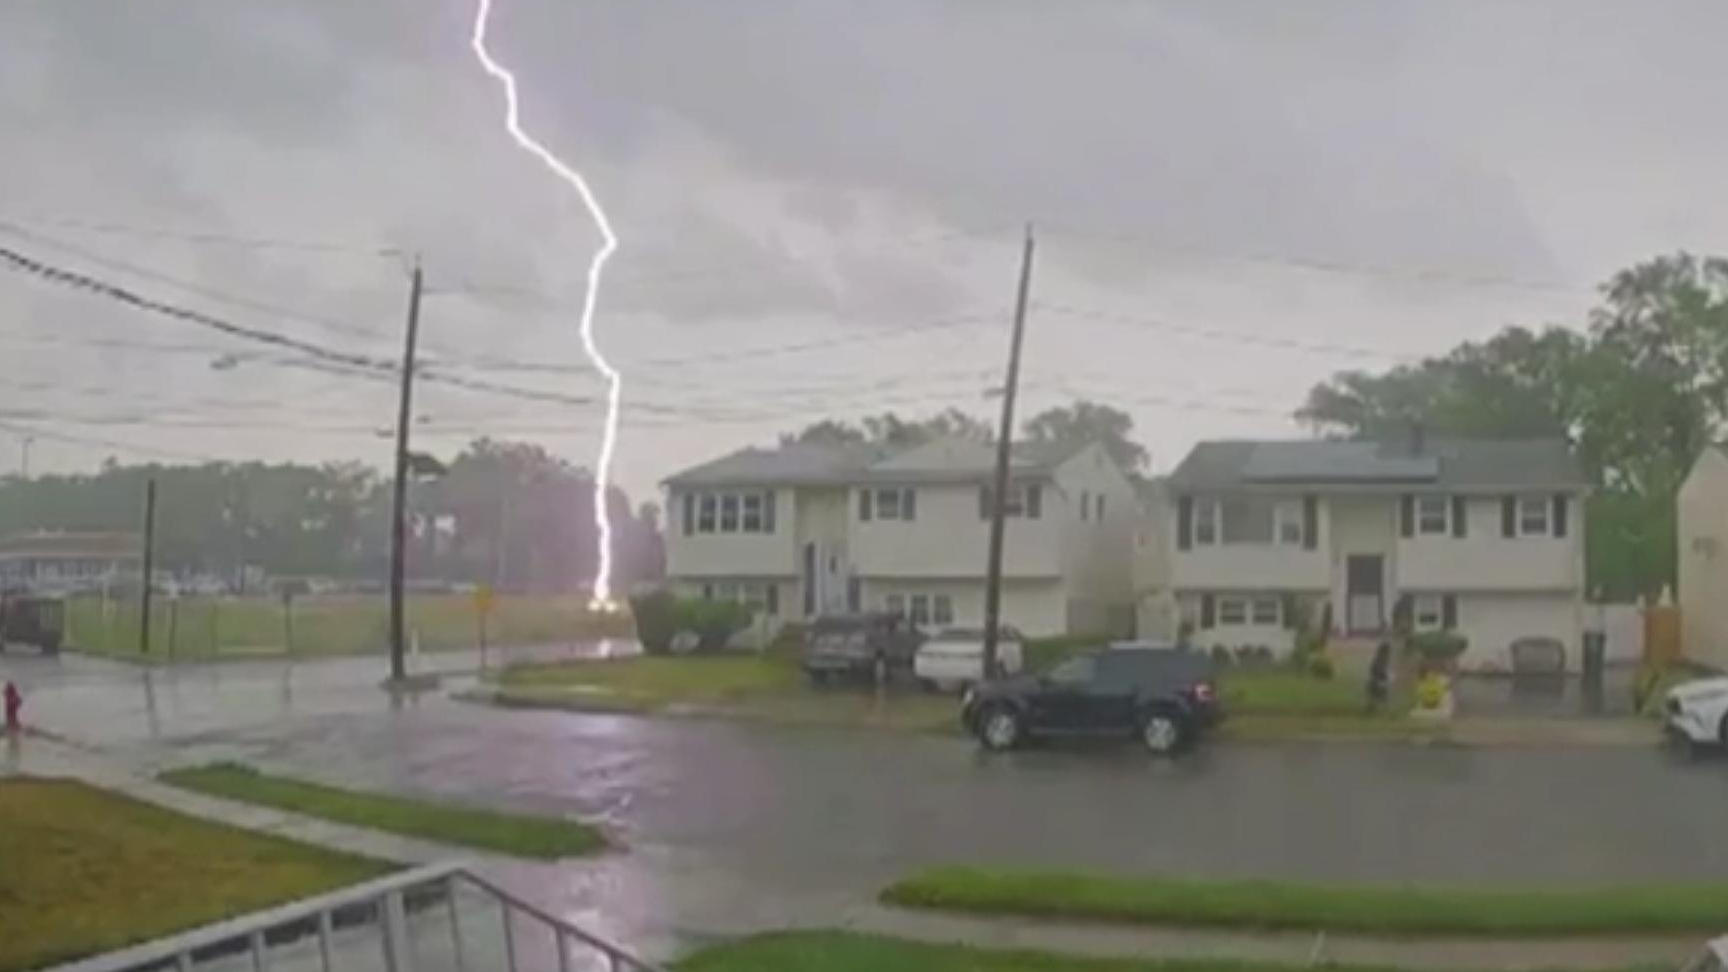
999 728
1164 732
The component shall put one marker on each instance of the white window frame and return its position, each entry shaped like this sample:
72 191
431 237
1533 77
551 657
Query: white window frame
942 609
886 503
726 591
1287 513
895 604
1232 604
1425 517
918 609
1431 607
750 513
708 513
729 510
1543 507
1207 513
1266 619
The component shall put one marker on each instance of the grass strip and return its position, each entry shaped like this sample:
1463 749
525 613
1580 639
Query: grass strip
1389 910
505 833
83 871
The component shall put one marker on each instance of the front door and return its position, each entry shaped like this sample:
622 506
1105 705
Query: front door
1365 592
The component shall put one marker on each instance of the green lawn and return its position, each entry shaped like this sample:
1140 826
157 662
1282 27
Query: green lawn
1272 691
832 951
83 870
204 627
505 833
1274 904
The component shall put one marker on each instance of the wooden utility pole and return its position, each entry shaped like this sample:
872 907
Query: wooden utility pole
399 499
149 566
1004 451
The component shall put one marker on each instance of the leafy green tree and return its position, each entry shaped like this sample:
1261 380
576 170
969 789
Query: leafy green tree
1083 423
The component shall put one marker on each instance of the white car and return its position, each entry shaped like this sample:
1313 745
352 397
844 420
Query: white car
954 658
1697 711
1714 957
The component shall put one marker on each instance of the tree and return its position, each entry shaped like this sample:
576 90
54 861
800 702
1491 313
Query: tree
889 429
1083 423
1638 394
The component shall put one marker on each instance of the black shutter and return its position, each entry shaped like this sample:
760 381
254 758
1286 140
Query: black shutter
1508 516
1559 514
1403 613
1449 612
689 513
1288 608
1407 515
864 504
1459 528
1034 501
773 598
1207 615
768 512
1185 523
908 504
1310 522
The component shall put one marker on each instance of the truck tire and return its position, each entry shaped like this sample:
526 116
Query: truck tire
999 728
1164 731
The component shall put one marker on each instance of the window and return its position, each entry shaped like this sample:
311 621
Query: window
1232 610
1245 519
896 604
1533 516
1075 671
1433 515
726 591
1024 500
750 512
921 609
942 609
1428 612
1206 521
1265 610
1287 517
895 503
1100 510
1085 504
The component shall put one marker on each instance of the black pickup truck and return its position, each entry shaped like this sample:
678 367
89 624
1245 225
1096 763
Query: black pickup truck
1165 697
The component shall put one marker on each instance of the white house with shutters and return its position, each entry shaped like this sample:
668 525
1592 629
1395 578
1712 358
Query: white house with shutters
808 529
1484 537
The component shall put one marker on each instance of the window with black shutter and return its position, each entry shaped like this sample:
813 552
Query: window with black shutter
1407 515
1184 523
1459 528
1559 514
1208 616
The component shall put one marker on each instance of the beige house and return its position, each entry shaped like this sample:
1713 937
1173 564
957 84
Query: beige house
1482 537
1701 521
1156 614
805 529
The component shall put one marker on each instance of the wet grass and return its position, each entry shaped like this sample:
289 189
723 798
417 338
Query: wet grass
1273 691
504 833
335 624
833 951
1284 905
647 682
83 870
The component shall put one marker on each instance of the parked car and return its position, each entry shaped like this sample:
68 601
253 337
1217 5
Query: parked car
840 647
953 658
1713 957
1165 697
31 619
1697 711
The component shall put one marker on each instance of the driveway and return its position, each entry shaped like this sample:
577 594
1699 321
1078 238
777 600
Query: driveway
733 828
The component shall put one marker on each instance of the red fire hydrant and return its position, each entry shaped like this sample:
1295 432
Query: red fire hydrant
14 702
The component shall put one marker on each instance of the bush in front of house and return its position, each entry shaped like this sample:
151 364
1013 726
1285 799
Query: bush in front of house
661 615
1439 649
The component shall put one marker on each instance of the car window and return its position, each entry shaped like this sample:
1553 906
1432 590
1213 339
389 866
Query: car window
1074 671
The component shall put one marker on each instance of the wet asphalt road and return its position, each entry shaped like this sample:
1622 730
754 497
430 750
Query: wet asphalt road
731 828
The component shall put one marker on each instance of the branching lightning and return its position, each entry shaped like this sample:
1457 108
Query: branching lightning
614 381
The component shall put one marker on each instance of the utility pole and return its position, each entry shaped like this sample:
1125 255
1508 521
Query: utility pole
399 499
149 565
1004 451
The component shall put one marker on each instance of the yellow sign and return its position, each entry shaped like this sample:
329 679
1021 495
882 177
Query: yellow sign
483 599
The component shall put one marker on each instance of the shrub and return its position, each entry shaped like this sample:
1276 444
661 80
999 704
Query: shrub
1244 655
656 620
1320 667
1262 656
1439 648
1221 656
660 616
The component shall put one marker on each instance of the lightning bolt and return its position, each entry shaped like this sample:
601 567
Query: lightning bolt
602 598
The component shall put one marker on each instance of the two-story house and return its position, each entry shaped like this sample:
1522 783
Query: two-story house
806 529
1484 537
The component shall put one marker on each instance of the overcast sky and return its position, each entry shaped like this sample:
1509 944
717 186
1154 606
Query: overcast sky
819 203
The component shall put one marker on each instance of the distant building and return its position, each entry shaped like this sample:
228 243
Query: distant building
1701 513
62 561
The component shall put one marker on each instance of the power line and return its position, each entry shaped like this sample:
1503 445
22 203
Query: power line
130 447
1216 334
201 237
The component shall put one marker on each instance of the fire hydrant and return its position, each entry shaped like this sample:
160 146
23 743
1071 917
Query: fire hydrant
14 701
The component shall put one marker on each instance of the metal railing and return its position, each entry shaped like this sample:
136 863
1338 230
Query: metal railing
376 919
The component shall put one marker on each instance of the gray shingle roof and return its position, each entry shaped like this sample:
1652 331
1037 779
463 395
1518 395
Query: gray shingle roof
1446 463
804 464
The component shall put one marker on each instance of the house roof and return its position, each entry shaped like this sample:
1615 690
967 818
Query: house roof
807 464
1448 463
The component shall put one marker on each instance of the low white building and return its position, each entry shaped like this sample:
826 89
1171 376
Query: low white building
807 529
1701 522
1484 537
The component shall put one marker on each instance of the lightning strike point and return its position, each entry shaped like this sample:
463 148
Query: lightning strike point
602 597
